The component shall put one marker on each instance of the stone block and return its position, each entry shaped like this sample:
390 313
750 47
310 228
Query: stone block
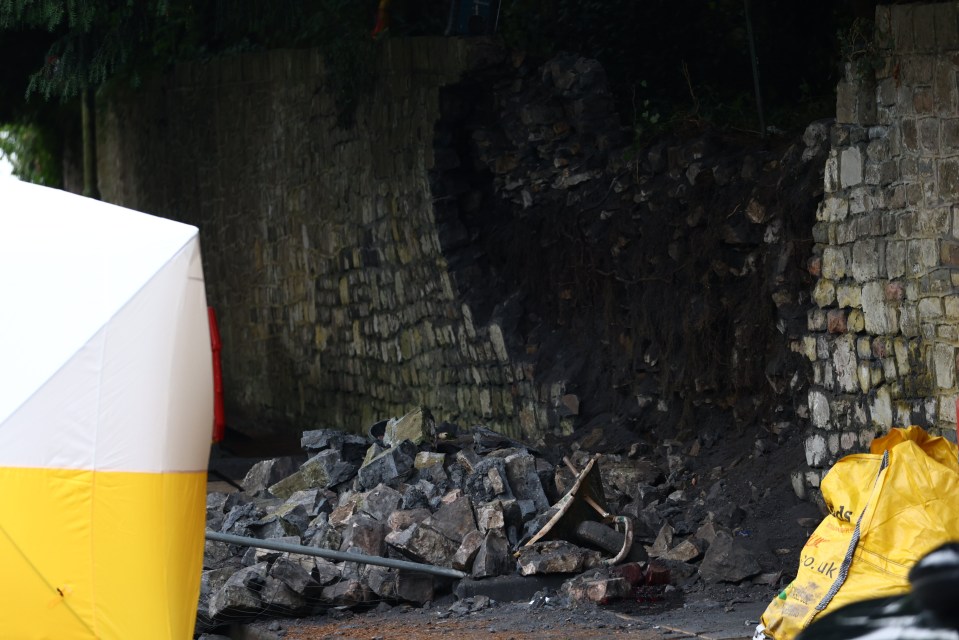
833 263
944 365
416 426
836 321
816 451
453 519
866 258
363 533
555 556
490 517
347 593
493 557
239 596
381 502
875 309
824 293
850 167
423 544
600 590
848 295
322 471
268 472
351 447
524 480
389 467
727 560
880 409
405 518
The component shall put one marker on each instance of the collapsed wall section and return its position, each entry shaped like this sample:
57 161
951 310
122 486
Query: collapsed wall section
882 337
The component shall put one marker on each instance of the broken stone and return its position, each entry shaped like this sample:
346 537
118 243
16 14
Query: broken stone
269 555
381 502
381 580
428 459
663 542
324 571
685 551
492 558
490 517
524 480
417 426
313 501
555 556
488 481
324 470
625 476
276 594
348 593
239 596
405 518
468 459
239 519
423 544
216 554
389 467
414 586
728 561
454 519
268 472
466 554
351 447
364 534
210 583
599 590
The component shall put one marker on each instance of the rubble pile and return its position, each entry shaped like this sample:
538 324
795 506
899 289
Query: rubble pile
466 499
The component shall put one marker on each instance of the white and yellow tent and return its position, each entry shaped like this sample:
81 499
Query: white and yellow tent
106 407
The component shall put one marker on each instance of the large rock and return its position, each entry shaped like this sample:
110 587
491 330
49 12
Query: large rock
466 553
556 556
728 561
362 533
381 502
423 544
488 481
268 472
239 597
324 470
493 557
350 447
524 480
454 519
389 467
416 426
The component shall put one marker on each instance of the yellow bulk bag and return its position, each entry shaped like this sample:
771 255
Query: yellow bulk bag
888 508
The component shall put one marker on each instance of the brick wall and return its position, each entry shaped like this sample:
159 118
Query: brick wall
883 333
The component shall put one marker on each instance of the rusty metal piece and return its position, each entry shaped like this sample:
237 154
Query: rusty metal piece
583 501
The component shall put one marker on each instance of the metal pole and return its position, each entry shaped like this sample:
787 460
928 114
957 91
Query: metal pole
329 554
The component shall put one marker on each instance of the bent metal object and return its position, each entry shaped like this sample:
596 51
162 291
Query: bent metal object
584 501
329 554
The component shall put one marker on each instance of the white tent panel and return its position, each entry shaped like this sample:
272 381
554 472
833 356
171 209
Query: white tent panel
135 397
67 266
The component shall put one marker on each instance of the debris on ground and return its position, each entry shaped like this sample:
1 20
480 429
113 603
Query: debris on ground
465 499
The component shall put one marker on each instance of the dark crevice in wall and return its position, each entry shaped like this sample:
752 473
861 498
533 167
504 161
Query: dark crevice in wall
662 286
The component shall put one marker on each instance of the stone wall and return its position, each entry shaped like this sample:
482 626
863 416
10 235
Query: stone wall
485 241
320 250
883 334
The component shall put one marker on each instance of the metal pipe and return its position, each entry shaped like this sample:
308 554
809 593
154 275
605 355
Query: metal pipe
329 554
